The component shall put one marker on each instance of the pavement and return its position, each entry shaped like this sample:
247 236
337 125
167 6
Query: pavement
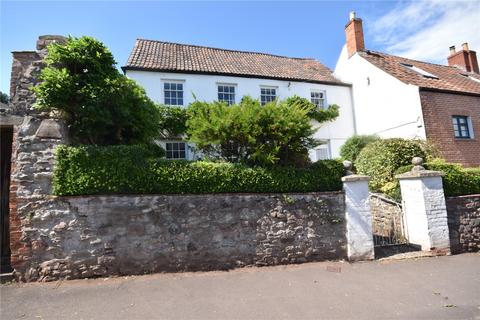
445 287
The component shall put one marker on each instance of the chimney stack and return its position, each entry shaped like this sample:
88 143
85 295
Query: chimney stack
464 59
354 35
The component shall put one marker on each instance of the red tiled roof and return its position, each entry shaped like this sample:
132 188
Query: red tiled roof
449 78
174 57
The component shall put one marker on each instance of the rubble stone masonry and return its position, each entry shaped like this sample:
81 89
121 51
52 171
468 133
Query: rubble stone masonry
464 223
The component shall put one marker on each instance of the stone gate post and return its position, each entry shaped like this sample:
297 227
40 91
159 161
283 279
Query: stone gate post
424 208
358 216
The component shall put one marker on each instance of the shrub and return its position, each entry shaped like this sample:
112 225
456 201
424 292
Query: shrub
352 147
173 120
137 169
276 133
456 181
100 105
380 159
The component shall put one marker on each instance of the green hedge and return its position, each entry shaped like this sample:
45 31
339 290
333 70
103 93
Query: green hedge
88 170
457 180
380 159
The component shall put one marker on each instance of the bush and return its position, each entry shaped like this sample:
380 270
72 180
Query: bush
136 169
352 147
456 181
276 133
380 159
100 105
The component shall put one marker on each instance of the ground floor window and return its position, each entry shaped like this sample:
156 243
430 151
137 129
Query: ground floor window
176 150
322 152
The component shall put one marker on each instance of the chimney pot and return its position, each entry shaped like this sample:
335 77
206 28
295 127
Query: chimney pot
452 50
465 46
352 15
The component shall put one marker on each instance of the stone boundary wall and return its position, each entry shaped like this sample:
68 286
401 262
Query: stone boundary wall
79 237
464 223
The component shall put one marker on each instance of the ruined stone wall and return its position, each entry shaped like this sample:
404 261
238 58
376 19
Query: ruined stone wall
464 223
77 237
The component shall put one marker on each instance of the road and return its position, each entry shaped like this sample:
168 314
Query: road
427 288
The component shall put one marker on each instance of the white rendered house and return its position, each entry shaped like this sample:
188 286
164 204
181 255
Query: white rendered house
399 97
177 74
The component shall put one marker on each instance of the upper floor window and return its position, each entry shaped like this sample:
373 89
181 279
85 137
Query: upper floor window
462 127
226 93
267 95
173 93
175 150
318 99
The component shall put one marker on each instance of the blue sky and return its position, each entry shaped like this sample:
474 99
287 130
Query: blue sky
421 29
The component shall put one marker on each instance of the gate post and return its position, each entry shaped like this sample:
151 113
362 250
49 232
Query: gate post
358 217
424 208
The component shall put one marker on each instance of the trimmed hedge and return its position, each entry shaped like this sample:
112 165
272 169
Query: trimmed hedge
457 180
87 170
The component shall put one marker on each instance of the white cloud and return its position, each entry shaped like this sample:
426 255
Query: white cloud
424 30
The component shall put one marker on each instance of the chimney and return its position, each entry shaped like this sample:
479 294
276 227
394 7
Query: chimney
464 59
354 35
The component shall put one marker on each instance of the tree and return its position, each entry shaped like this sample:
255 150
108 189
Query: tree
100 105
276 133
4 98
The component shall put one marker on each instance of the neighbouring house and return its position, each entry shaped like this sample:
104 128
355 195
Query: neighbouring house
177 74
400 97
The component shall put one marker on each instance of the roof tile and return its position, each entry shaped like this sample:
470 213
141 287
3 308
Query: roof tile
449 78
166 56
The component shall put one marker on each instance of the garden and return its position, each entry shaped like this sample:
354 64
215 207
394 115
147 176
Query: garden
245 147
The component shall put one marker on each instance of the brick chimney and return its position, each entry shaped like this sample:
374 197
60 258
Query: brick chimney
464 59
354 35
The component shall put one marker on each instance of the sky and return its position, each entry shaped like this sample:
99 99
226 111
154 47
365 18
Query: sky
422 30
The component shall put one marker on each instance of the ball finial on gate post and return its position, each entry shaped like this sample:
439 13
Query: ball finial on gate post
417 164
348 166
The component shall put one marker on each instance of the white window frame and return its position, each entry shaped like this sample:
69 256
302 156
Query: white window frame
325 104
176 81
176 141
234 85
270 88
325 146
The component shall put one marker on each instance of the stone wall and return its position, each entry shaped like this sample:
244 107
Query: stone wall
464 223
386 216
78 237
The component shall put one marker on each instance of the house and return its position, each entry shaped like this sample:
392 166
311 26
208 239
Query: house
399 97
177 74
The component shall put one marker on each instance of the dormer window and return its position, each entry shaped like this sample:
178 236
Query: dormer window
420 71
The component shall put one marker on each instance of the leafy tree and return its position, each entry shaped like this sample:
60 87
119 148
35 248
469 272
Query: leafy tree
173 120
276 133
101 106
4 98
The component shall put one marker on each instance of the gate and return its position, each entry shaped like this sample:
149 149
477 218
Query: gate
388 222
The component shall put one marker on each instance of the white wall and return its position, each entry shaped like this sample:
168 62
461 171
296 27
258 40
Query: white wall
204 87
383 104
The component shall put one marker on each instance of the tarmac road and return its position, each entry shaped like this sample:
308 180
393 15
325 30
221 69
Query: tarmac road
427 288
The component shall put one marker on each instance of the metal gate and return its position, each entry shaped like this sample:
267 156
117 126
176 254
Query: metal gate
388 222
